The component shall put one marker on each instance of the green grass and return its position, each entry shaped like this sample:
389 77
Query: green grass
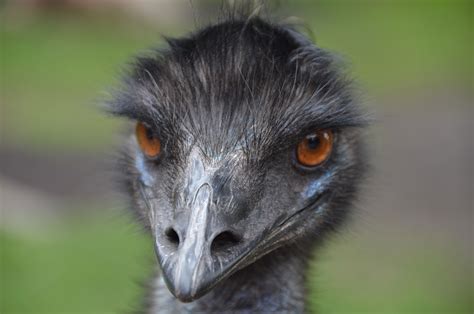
80 267
392 276
95 265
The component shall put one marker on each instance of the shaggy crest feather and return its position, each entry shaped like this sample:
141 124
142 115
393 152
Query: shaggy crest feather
235 76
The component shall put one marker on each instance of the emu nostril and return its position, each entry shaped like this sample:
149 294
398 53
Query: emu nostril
224 240
172 236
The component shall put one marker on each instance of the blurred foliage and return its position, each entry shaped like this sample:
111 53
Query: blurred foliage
56 65
396 45
99 266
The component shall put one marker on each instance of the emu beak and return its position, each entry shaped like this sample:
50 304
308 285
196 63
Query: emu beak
194 265
194 268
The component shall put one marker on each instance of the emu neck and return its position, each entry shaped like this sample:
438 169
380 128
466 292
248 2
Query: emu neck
275 283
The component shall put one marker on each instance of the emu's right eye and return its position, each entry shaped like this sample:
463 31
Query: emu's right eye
315 148
149 143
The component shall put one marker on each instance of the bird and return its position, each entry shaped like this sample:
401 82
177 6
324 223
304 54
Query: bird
247 150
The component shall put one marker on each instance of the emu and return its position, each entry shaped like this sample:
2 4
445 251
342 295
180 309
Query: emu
248 149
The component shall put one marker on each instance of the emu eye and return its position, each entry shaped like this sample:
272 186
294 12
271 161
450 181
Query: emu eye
314 148
149 143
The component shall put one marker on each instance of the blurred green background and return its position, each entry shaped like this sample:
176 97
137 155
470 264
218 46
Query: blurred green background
66 242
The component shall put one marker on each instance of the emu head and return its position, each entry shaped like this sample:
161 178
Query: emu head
247 140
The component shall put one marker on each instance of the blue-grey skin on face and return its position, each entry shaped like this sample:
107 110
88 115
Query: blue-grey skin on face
222 217
230 105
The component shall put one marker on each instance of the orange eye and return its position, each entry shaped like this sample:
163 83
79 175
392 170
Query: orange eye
149 143
315 148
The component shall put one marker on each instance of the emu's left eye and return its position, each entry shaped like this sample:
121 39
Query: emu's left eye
315 148
149 143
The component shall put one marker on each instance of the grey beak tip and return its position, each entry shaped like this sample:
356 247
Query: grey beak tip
184 296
